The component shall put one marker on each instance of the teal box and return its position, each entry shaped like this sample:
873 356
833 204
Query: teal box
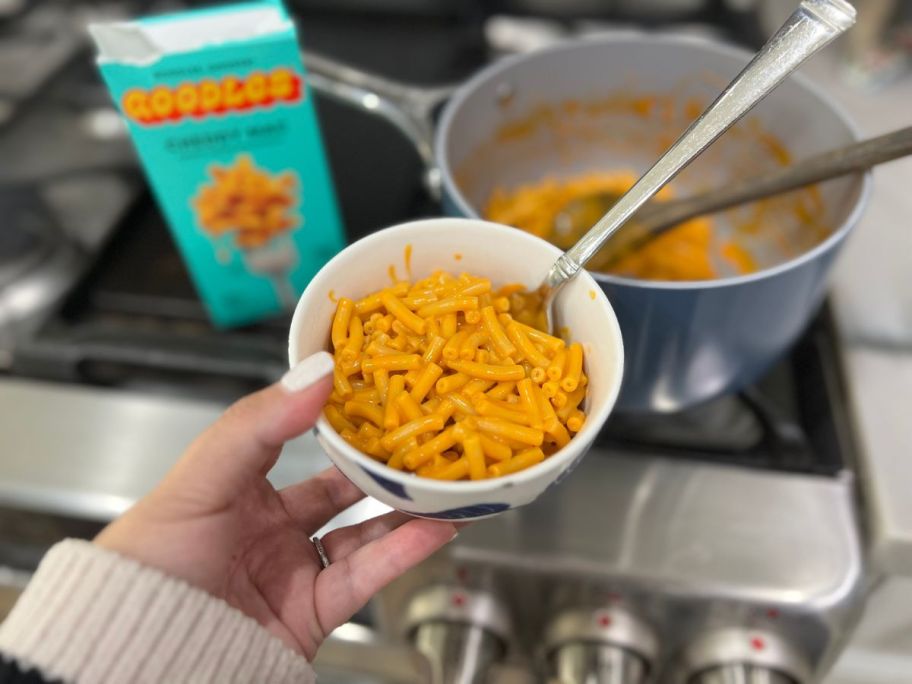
220 114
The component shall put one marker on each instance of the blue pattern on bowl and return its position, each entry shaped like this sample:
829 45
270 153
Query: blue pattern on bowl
392 487
465 511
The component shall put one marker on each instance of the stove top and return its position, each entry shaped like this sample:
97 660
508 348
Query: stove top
87 260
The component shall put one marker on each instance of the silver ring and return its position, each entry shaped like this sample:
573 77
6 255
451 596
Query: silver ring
321 552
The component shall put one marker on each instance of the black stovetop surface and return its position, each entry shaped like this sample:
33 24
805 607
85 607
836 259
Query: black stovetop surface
134 320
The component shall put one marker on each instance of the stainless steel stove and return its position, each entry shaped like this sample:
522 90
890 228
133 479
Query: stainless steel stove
718 545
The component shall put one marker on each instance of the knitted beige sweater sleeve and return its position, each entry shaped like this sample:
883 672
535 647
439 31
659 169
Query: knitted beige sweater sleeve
91 615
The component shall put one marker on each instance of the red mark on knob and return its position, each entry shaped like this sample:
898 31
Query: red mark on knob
772 613
462 574
758 644
604 621
458 600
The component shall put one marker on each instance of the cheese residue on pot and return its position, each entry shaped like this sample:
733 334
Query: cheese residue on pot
689 251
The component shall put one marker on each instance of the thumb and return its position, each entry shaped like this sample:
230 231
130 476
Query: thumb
246 441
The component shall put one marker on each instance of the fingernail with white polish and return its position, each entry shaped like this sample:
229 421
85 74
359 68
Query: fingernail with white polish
308 371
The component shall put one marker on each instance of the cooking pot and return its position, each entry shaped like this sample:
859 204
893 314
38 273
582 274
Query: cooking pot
615 101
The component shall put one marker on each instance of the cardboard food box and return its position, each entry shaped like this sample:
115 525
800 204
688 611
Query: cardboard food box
217 106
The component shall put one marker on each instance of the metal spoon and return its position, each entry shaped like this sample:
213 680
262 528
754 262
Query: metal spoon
655 218
811 27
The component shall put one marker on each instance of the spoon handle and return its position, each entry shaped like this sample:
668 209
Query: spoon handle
854 158
811 27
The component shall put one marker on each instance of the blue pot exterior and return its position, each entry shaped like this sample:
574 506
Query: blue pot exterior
687 345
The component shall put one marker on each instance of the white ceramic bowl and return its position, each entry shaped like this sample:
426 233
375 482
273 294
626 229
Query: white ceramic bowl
506 255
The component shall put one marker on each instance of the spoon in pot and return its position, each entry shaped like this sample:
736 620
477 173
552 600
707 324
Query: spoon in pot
655 218
811 27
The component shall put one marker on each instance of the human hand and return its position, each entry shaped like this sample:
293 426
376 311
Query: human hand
216 521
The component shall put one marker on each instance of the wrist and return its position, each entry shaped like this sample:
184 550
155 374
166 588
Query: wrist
90 614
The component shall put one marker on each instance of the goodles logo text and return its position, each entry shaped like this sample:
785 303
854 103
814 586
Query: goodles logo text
208 96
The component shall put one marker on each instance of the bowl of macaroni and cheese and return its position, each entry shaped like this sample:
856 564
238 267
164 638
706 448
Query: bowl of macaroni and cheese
450 400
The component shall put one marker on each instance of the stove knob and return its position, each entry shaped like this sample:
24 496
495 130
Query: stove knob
602 646
743 656
740 674
585 663
461 632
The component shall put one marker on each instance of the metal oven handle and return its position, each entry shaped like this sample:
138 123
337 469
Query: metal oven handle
81 357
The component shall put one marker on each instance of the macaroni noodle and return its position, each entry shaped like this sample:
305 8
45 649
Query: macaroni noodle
451 379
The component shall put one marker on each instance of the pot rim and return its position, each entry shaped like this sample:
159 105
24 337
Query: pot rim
465 91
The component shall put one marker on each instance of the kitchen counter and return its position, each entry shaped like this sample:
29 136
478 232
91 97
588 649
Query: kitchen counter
872 295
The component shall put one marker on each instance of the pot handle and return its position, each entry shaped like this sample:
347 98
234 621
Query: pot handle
408 108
